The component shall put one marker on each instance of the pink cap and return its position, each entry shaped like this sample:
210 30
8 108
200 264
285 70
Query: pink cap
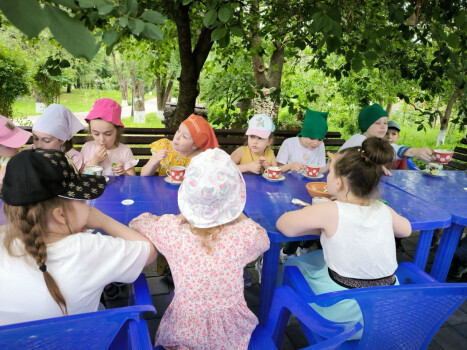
106 109
12 136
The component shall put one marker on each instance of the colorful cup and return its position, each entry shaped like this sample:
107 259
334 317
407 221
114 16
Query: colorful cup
176 173
312 170
434 168
273 172
93 170
442 156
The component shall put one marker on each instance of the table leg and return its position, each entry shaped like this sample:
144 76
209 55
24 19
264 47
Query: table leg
423 248
446 249
268 280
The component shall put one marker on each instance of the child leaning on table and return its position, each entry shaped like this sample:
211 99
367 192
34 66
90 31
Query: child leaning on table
256 156
307 147
373 122
48 267
194 135
207 247
356 232
11 140
55 128
106 149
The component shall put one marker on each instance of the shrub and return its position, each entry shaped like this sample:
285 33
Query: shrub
13 79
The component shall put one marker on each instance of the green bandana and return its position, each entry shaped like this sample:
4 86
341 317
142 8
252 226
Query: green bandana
315 125
369 115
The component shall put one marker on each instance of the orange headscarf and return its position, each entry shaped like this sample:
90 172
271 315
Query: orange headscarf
201 132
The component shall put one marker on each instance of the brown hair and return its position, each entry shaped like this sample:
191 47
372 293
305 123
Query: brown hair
363 166
118 138
67 145
29 223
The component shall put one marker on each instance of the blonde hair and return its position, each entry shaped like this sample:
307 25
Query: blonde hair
29 223
208 235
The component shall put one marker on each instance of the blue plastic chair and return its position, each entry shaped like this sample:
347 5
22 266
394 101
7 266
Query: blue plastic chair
395 317
122 328
285 302
411 165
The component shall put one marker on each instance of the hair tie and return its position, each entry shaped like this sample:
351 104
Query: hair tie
43 268
365 157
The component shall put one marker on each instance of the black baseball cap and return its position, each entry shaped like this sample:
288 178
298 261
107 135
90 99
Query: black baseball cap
37 175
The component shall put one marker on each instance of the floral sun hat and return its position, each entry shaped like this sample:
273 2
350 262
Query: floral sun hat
213 192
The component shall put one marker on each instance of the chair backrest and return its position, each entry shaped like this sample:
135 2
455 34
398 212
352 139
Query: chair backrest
405 316
109 329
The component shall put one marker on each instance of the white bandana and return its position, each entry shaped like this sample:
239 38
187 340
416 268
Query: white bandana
58 121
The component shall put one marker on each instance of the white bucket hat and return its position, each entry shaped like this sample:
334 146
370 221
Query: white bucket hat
213 192
260 125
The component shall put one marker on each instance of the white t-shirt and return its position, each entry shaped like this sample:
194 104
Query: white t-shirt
363 246
81 264
292 151
357 140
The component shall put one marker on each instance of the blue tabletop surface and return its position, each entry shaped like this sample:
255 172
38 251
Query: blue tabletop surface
267 201
448 192
150 194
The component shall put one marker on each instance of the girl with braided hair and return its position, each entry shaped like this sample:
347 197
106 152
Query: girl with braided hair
356 232
44 199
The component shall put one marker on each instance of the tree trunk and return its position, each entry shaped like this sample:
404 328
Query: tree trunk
447 115
163 92
68 88
40 105
122 80
139 110
192 61
389 108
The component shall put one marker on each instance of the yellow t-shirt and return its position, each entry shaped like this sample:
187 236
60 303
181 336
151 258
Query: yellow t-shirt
248 156
173 158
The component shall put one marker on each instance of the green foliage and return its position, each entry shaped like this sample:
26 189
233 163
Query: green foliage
13 79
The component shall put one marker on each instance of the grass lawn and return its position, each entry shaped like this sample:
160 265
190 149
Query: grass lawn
79 100
151 121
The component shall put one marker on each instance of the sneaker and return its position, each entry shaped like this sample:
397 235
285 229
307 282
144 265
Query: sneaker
283 257
259 268
436 238
112 291
246 278
303 251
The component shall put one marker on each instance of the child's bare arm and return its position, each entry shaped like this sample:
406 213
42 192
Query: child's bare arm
100 221
130 172
422 153
309 220
153 163
400 225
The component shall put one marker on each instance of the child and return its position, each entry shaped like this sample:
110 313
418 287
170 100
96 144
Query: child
106 150
392 136
357 233
373 122
11 139
194 135
307 148
257 155
207 246
55 128
48 268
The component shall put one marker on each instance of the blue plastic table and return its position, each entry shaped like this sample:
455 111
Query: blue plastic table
267 201
448 193
150 194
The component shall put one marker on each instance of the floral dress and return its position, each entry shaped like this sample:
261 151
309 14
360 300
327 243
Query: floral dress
208 310
172 159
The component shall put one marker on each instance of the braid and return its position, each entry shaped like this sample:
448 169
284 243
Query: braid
28 223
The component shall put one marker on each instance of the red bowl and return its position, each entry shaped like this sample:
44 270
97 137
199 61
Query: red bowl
442 156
